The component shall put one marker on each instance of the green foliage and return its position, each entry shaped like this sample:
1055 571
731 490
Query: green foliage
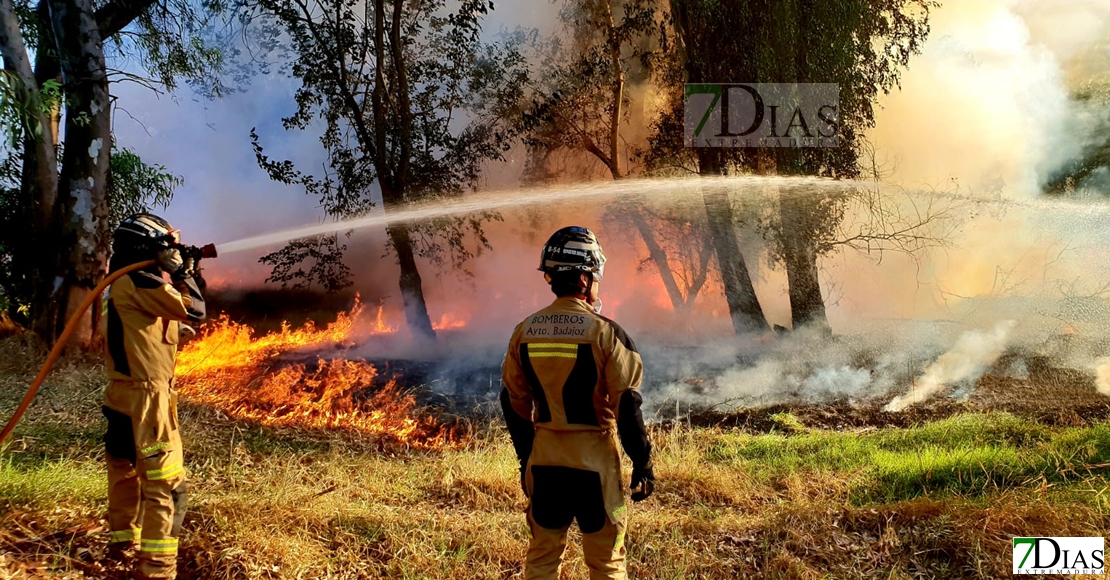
14 289
180 40
134 186
861 45
443 240
575 101
21 106
173 40
326 256
177 44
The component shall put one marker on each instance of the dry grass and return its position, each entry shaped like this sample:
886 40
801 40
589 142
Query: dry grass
941 500
7 326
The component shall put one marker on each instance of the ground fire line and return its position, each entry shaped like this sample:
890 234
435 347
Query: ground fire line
230 369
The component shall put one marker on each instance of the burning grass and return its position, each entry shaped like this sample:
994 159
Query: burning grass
938 500
231 370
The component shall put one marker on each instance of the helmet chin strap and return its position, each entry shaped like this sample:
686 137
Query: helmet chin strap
596 302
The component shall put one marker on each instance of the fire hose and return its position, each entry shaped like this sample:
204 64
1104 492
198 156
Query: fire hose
208 251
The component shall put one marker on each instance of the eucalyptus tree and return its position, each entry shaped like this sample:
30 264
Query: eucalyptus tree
56 56
860 45
411 103
133 186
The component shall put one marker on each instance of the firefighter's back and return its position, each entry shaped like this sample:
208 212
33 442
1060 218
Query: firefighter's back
562 353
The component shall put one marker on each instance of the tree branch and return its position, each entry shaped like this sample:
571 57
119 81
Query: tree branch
115 16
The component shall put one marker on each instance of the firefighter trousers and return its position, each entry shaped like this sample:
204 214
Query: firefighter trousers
147 493
561 495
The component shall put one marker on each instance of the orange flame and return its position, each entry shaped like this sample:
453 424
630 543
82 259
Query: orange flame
449 322
241 375
380 327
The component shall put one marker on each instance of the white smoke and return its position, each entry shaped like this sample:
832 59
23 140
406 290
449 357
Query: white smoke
1102 376
803 366
968 359
987 107
837 382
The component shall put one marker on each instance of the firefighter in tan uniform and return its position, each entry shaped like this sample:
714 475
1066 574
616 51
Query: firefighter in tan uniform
570 392
141 321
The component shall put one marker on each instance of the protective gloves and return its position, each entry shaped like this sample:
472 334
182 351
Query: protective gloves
179 267
188 269
170 260
643 482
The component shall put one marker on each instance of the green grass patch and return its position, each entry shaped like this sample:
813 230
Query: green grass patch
47 484
968 454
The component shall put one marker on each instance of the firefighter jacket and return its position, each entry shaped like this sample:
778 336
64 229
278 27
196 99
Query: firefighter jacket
141 323
570 390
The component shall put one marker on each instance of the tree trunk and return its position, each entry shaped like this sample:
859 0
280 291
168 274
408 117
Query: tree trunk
412 290
702 272
35 253
81 213
659 257
617 90
800 257
393 170
743 304
797 211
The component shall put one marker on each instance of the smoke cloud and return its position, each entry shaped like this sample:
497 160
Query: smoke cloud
987 106
1102 372
972 354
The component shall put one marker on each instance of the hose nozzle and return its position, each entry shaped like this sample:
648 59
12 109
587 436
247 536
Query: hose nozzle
206 251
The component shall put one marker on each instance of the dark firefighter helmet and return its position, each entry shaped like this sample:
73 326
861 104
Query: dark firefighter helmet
144 231
572 249
140 237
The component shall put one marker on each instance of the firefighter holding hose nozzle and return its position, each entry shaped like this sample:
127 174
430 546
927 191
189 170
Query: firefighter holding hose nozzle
142 320
570 392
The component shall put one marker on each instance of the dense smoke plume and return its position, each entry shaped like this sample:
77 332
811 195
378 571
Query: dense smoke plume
1039 262
969 358
987 107
1102 380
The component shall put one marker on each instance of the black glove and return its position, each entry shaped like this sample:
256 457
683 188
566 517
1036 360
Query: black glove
643 483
